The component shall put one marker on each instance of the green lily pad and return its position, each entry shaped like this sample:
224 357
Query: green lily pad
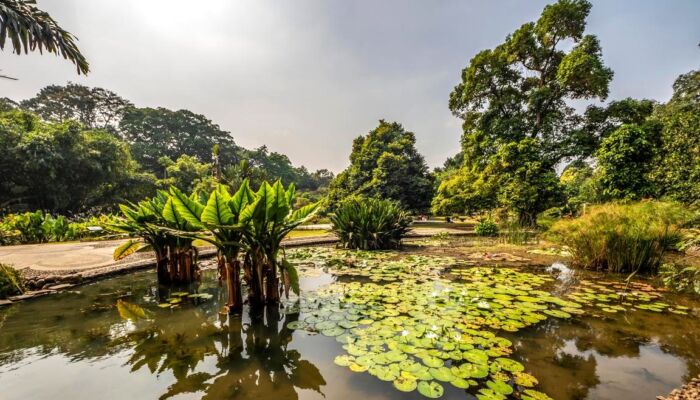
405 384
431 390
510 365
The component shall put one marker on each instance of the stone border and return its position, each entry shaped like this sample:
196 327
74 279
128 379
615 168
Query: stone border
49 282
689 391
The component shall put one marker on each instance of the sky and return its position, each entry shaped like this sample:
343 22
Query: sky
305 77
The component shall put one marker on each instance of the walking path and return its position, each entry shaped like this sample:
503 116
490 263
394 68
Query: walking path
79 256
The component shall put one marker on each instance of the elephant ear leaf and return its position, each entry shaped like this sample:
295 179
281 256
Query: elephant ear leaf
291 277
248 211
187 208
127 248
303 213
217 211
291 191
282 205
240 199
170 214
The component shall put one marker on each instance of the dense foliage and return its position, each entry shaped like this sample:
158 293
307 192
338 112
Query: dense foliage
110 151
40 227
370 224
517 122
10 281
626 238
63 166
385 164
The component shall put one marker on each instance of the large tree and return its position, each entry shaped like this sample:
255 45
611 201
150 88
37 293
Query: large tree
676 167
386 164
95 108
64 166
31 29
516 96
157 132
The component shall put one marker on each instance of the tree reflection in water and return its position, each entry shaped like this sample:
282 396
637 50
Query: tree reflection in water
251 357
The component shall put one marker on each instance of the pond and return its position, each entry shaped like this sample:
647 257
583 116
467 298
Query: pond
370 326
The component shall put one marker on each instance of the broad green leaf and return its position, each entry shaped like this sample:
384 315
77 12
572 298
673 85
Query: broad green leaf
127 248
170 214
431 390
217 211
293 276
188 209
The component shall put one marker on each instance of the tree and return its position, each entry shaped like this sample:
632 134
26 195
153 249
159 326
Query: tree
599 122
157 132
63 166
96 108
187 174
624 161
580 184
676 167
513 100
519 89
386 164
31 29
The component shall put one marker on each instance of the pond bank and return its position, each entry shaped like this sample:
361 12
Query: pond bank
689 391
42 281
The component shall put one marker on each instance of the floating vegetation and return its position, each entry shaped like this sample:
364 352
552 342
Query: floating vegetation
425 322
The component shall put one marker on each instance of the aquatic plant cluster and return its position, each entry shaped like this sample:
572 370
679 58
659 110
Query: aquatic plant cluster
424 322
246 227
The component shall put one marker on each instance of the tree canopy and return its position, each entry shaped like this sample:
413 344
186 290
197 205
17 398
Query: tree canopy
517 122
386 164
64 166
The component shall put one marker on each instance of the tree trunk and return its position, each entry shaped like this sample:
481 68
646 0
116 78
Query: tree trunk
234 304
272 285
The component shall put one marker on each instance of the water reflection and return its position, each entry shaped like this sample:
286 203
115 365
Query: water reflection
611 358
207 354
80 348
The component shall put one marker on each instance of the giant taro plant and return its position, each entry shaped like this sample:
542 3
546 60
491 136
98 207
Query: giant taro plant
255 222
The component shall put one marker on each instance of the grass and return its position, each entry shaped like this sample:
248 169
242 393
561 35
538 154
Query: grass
626 238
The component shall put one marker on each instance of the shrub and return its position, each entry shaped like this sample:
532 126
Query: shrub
370 224
681 278
10 281
622 237
486 228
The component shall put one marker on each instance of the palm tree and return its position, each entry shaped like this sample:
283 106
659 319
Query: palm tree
31 29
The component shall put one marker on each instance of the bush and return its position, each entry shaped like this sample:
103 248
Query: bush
40 227
10 281
680 278
370 224
486 228
622 237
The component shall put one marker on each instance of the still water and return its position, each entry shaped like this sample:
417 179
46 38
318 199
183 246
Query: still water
75 345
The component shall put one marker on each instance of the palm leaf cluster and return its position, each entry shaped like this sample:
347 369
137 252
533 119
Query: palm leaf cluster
247 228
30 29
370 224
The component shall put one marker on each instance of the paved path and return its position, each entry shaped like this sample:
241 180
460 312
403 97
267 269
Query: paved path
76 256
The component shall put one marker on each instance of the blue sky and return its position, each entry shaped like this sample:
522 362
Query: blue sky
306 77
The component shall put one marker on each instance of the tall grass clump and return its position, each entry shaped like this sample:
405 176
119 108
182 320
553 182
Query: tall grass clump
625 238
10 281
370 224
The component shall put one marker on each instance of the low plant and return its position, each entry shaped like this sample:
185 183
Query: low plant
626 238
512 232
486 227
370 224
10 281
681 278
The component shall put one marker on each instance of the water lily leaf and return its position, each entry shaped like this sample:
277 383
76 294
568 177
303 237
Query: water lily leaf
433 362
524 379
333 331
500 387
510 365
460 383
358 368
530 394
442 374
405 384
344 360
431 390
